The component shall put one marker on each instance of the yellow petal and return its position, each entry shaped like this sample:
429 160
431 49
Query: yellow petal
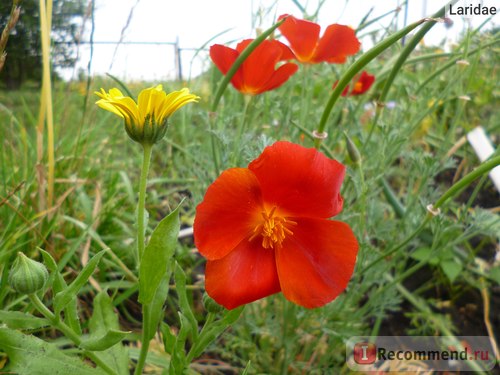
176 100
104 104
115 93
144 101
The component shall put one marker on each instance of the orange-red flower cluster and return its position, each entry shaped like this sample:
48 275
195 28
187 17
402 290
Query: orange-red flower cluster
265 229
261 71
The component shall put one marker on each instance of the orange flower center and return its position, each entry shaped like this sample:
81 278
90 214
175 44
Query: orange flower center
273 229
358 86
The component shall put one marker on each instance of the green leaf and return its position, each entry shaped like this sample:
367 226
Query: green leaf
178 361
20 320
155 308
29 355
451 268
56 280
495 274
211 332
168 338
180 285
109 339
64 297
156 260
102 321
425 254
51 265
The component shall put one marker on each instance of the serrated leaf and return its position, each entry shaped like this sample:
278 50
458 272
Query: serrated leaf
156 260
65 296
28 355
104 319
109 339
21 320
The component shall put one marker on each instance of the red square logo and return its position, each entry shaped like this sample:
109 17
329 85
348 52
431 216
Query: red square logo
365 353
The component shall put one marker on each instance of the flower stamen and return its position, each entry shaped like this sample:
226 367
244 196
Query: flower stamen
273 229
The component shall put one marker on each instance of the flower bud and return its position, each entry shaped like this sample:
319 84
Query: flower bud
210 305
26 275
352 150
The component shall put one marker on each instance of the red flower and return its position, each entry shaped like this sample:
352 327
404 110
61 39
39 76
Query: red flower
258 72
334 46
264 229
362 84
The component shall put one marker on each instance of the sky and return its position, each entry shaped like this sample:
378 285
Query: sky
197 23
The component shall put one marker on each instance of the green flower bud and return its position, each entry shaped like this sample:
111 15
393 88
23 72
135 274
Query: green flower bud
210 305
26 275
352 150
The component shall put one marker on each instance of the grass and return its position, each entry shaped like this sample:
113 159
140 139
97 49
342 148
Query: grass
411 154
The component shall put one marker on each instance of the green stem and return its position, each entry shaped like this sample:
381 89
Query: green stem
306 93
355 69
364 193
457 187
67 331
145 340
403 56
399 209
288 321
467 180
448 65
141 205
141 233
242 127
241 58
194 349
421 305
400 245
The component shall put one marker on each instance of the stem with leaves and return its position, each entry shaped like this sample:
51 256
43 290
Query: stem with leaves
67 331
451 192
141 204
141 234
355 69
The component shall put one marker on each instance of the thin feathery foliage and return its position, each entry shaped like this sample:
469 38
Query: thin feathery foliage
402 142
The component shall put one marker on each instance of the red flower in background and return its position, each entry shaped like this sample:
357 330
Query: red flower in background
264 229
258 73
362 84
337 43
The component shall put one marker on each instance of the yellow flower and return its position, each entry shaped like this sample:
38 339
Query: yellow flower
145 121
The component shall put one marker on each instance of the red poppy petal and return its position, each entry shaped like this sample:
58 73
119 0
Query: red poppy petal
286 52
302 35
280 76
246 274
300 181
223 58
260 66
243 44
346 90
316 263
336 44
366 81
227 213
